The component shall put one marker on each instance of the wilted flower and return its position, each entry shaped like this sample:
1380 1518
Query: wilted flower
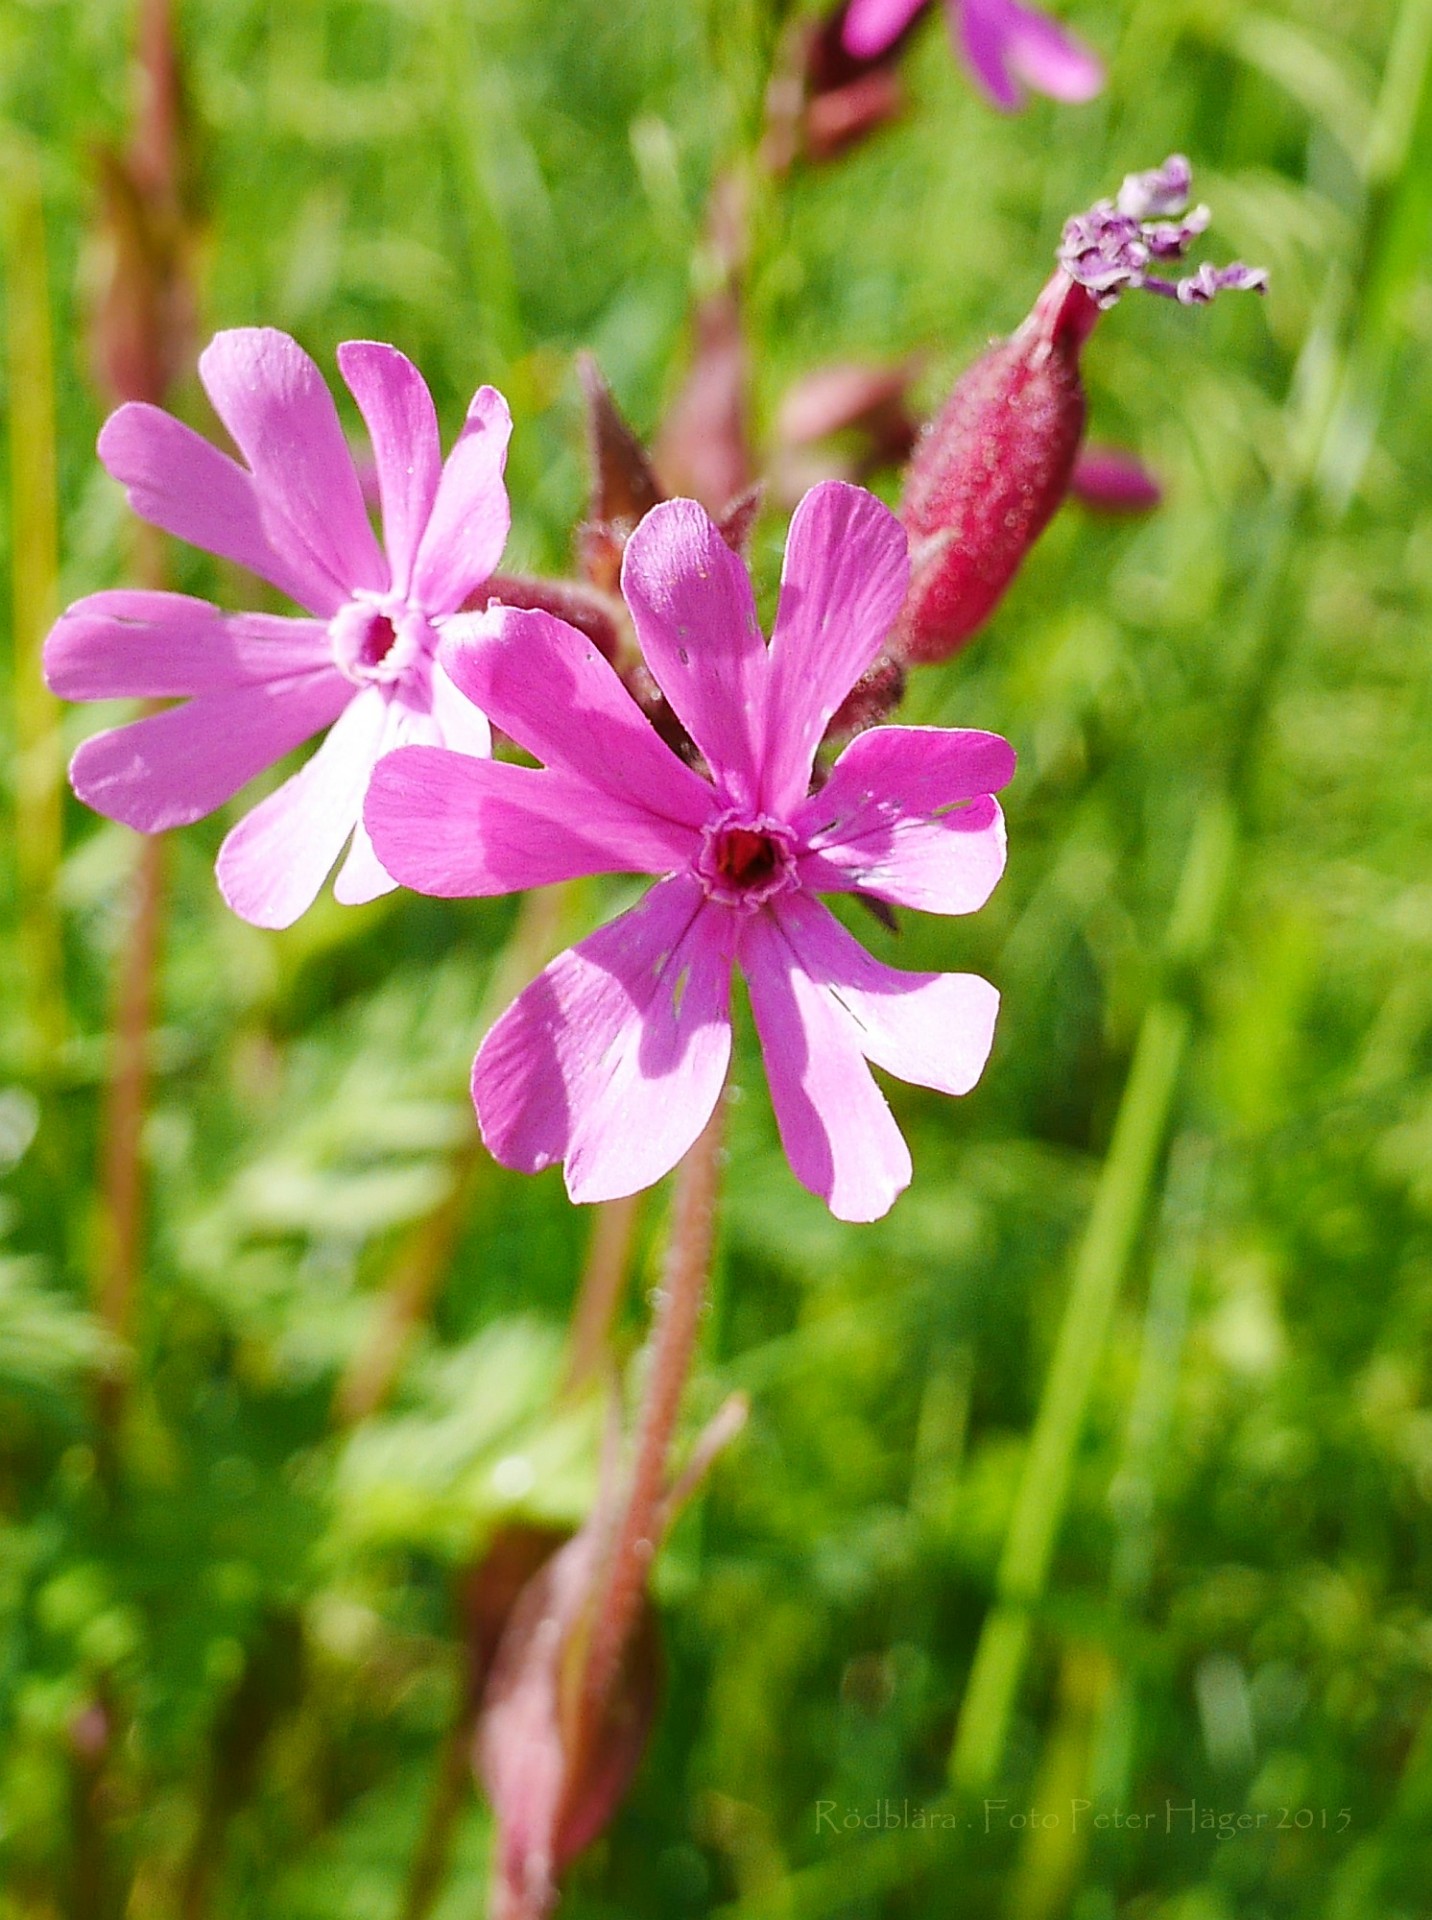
996 462
256 685
1110 249
1006 46
613 1059
554 1786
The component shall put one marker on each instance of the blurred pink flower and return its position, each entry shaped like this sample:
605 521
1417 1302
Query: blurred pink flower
1111 480
1006 45
254 685
613 1059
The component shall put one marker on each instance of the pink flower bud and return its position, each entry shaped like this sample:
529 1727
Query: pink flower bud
555 1787
989 473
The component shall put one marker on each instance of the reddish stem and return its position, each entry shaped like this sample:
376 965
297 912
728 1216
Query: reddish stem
673 1342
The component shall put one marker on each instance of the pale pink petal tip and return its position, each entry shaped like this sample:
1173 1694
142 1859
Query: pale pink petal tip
274 861
1009 45
873 26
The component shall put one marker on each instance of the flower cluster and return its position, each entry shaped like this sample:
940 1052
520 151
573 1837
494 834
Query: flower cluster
1005 44
613 1059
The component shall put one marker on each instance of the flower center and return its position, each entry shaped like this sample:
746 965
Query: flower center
746 859
377 643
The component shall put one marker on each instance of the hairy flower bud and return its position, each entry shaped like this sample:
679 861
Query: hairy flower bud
990 471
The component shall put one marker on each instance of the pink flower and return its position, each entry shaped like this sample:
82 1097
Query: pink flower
1006 45
256 685
613 1059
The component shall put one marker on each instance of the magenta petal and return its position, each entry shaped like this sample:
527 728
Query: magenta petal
842 586
613 1059
172 768
175 480
1052 61
839 1135
447 824
907 815
1005 42
548 686
275 860
932 1029
402 424
277 406
162 646
873 25
691 601
468 526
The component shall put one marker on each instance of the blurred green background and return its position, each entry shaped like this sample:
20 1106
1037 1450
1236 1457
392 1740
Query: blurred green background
231 1617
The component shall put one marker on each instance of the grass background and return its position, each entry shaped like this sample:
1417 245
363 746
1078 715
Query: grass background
231 1635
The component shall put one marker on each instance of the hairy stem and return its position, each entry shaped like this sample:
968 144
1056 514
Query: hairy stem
673 1342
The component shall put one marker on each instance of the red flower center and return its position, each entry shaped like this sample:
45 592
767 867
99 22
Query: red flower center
746 859
377 645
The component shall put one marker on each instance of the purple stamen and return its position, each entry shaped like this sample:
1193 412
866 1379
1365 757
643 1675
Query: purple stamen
1108 249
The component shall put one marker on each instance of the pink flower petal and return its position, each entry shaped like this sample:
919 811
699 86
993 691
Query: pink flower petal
1052 61
275 403
695 617
873 25
161 646
932 1029
839 1135
613 1059
275 860
547 685
1005 42
460 725
172 768
842 586
363 877
907 815
454 826
402 424
175 480
467 529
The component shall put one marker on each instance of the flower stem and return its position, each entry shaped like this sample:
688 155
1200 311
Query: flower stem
674 1332
34 546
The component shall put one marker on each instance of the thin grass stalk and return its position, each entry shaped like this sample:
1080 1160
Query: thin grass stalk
34 547
1402 137
599 1294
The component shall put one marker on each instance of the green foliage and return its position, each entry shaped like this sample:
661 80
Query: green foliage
231 1631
